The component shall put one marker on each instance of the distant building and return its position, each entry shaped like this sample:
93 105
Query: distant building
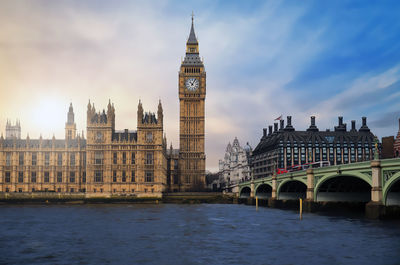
173 172
285 147
387 147
212 181
235 165
396 146
13 130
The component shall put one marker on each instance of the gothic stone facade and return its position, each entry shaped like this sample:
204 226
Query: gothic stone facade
125 162
42 165
192 93
235 167
107 162
111 162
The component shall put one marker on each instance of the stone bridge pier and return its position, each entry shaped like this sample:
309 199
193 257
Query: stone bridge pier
375 208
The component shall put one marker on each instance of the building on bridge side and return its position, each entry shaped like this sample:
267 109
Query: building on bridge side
391 146
387 147
396 145
284 147
235 166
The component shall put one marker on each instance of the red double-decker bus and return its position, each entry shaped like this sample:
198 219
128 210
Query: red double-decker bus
303 167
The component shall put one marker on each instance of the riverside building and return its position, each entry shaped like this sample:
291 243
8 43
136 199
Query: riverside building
235 166
396 145
282 148
111 162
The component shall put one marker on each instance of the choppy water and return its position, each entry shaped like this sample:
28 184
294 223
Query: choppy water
190 234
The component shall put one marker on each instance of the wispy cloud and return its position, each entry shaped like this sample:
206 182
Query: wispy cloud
262 59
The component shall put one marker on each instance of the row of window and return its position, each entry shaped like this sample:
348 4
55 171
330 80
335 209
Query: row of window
192 70
124 177
342 157
149 177
81 190
46 177
34 159
317 146
46 190
98 176
99 158
124 160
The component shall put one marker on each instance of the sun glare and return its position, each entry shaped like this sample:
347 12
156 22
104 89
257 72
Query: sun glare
49 116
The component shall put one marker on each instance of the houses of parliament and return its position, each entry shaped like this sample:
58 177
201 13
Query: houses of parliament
110 162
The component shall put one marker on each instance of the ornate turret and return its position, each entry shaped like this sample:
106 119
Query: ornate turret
89 107
13 130
111 113
102 118
70 126
192 57
235 142
146 118
160 115
53 141
71 118
91 111
228 148
165 142
139 113
192 40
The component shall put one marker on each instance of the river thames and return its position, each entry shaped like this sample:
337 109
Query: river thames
190 234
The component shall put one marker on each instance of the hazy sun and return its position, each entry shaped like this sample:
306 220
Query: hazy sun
49 115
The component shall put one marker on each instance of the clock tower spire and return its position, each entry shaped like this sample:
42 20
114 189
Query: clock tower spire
192 94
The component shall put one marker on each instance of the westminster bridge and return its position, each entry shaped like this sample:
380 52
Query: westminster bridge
375 182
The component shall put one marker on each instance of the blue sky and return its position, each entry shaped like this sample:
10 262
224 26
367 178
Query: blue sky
263 59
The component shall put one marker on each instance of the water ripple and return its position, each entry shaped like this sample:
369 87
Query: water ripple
190 234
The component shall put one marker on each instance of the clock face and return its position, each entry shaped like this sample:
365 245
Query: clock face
99 136
192 84
149 137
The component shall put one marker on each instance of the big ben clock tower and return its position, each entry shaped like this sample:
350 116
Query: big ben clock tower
192 94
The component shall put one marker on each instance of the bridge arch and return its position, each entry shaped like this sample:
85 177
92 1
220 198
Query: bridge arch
292 189
264 191
391 191
353 187
245 192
